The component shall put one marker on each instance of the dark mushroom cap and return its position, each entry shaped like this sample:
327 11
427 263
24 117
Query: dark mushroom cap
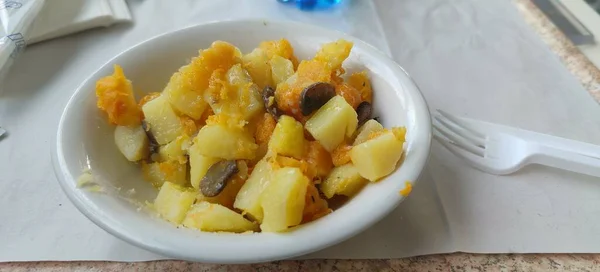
215 180
363 111
151 139
315 96
270 105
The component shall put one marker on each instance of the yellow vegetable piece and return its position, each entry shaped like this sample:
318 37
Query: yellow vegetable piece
315 206
341 154
334 53
288 92
349 93
257 65
307 169
185 101
248 198
360 81
249 101
264 128
160 172
318 158
407 189
365 130
185 88
189 125
343 180
173 202
233 93
288 138
214 217
377 157
332 123
281 48
175 150
147 98
218 141
162 120
132 142
196 75
174 172
199 165
281 69
283 200
115 97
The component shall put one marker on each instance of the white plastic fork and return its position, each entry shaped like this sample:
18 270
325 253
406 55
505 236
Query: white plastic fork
502 150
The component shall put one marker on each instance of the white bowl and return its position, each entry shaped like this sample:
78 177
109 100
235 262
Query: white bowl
85 140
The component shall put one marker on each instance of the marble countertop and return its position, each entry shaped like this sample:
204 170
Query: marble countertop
575 61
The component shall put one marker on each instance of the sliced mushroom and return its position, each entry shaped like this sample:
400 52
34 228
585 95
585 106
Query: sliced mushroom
152 143
314 96
337 201
268 96
216 177
364 112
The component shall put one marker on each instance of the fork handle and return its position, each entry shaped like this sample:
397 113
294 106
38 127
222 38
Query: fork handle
565 159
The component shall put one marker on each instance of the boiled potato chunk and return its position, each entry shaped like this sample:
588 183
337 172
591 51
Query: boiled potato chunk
282 200
199 164
175 150
334 53
365 130
160 172
173 202
164 123
233 93
377 157
281 69
288 138
257 65
195 76
132 142
248 93
281 48
214 217
186 101
185 87
222 142
332 123
248 198
343 180
307 169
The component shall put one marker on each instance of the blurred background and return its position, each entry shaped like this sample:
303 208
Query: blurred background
579 20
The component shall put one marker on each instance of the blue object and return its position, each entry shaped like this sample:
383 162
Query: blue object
311 4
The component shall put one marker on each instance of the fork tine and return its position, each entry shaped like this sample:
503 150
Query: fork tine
456 140
459 128
472 160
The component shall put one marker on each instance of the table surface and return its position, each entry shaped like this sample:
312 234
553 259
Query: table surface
575 61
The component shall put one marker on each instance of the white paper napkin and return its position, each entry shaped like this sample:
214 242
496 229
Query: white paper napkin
63 17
